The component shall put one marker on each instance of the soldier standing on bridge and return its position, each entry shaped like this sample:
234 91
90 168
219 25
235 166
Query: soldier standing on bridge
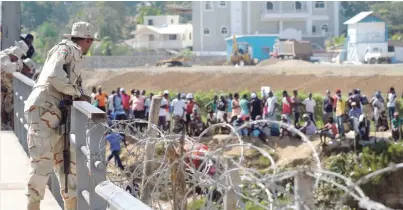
59 83
10 62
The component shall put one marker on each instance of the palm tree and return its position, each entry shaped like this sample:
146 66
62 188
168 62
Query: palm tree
336 41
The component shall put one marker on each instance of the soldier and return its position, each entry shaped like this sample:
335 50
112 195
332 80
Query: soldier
10 63
28 68
58 81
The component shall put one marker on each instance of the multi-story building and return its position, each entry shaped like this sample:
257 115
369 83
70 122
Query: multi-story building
162 32
213 21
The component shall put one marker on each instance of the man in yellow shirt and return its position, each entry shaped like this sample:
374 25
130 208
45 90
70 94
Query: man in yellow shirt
340 112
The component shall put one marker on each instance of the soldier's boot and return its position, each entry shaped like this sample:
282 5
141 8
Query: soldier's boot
70 204
34 206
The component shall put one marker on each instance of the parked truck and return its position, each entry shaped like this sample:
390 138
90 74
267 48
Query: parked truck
292 49
375 55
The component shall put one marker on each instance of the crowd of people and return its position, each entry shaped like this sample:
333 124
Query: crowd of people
339 115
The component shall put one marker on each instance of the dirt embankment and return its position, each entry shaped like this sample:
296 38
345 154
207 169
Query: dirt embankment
189 81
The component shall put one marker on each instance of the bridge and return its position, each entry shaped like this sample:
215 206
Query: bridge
93 190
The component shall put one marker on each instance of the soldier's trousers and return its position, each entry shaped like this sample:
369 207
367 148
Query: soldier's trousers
45 146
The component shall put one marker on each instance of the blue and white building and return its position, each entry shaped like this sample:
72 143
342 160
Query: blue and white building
259 46
366 31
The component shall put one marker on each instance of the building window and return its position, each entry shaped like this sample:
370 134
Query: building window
391 48
224 30
319 4
206 31
208 6
190 36
223 4
172 21
150 22
150 37
269 5
172 37
313 29
298 5
325 28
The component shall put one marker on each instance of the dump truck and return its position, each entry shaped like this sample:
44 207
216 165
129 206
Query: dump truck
292 49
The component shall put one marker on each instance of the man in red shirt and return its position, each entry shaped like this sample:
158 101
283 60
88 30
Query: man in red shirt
125 101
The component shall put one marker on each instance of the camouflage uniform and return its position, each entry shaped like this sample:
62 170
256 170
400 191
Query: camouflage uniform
43 116
7 69
45 143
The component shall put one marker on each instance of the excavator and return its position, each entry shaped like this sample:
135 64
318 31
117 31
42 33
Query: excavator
240 53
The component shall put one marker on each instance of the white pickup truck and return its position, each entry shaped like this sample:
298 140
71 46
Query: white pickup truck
377 56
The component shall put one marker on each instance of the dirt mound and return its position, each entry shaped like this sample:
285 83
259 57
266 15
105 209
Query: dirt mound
269 62
292 63
232 82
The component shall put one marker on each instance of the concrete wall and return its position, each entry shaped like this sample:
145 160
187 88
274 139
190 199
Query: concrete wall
10 23
97 62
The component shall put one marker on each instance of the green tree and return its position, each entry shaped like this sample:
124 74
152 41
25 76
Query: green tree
336 41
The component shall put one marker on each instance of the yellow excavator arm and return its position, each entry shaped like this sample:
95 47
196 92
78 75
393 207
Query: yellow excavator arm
234 45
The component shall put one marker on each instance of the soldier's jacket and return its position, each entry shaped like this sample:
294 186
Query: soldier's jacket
7 68
53 82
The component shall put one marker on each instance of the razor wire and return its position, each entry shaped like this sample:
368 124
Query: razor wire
262 187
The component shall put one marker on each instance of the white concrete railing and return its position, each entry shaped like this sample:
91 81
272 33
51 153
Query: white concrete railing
87 129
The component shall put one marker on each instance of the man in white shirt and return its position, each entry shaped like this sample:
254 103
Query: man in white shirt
310 106
179 105
271 107
110 102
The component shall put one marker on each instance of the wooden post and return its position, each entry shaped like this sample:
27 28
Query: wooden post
303 191
178 174
233 179
150 150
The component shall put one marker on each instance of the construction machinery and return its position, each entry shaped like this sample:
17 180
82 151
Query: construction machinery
178 61
292 49
241 53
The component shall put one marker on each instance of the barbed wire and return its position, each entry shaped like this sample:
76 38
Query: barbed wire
217 174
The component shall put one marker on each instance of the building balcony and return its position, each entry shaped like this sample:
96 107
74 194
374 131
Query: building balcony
295 14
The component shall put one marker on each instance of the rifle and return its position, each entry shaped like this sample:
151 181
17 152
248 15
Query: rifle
65 107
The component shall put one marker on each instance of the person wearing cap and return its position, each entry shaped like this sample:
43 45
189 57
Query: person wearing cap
328 107
396 124
256 106
58 84
308 128
10 62
28 68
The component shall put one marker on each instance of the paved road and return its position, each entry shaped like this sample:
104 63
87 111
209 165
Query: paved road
14 176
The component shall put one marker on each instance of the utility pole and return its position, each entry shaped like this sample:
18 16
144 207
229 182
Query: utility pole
10 23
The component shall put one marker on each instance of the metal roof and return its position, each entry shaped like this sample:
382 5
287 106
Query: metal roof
357 18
